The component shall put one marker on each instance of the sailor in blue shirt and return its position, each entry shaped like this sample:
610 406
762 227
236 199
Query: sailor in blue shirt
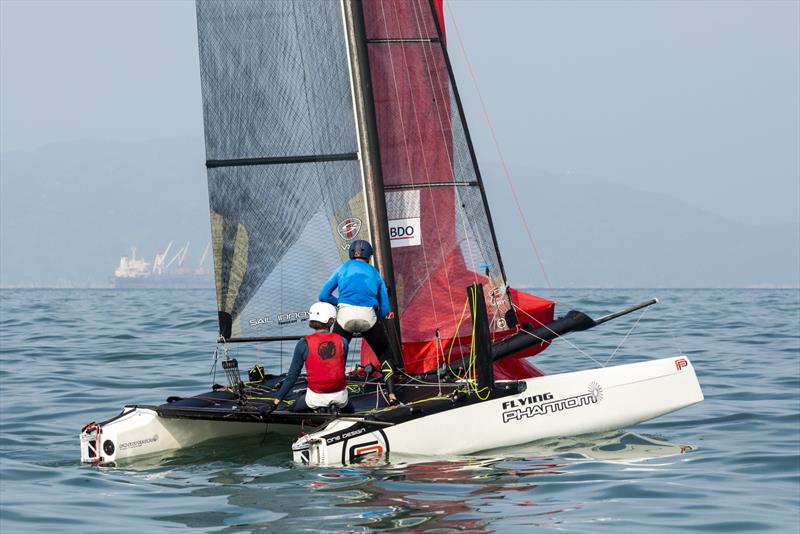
363 303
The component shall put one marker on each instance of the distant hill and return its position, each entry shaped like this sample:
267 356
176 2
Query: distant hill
69 211
595 233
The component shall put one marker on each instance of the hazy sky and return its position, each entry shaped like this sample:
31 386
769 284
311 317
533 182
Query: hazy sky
699 100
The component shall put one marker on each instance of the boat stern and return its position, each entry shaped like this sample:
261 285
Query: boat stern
134 432
341 443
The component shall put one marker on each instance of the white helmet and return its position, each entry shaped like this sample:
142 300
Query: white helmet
322 312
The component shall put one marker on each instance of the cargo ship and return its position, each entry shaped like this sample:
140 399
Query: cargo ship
136 273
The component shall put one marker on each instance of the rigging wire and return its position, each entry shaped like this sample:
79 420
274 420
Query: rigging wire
438 94
626 335
557 335
506 173
223 347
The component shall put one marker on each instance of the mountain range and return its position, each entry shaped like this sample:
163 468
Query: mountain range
69 211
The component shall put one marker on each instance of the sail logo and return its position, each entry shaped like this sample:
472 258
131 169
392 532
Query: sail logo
349 228
279 319
405 232
496 296
680 363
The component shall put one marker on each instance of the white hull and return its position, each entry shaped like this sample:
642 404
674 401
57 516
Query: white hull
561 405
141 432
550 406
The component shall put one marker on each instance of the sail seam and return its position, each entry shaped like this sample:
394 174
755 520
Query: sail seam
280 160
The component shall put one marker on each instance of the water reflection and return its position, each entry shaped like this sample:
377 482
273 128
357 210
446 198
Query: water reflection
616 446
447 496
470 493
253 484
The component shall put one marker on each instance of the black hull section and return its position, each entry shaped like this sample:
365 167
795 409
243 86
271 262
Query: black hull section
367 405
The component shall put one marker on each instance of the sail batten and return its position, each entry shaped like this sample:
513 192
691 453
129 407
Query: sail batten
278 160
404 40
432 184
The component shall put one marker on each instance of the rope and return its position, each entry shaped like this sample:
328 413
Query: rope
453 341
379 394
288 402
473 355
439 349
420 401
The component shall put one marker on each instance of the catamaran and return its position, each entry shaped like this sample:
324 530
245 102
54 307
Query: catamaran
331 121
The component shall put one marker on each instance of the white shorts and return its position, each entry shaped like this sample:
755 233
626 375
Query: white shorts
356 319
323 400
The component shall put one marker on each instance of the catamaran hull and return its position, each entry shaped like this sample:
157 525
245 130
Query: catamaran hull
549 406
139 431
568 404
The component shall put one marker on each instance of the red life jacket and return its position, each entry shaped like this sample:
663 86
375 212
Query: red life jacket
325 363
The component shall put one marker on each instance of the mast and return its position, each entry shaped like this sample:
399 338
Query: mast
368 141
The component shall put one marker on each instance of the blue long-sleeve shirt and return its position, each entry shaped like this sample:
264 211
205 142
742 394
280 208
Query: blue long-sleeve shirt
298 360
359 284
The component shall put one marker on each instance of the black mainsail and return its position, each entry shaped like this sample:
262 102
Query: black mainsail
285 185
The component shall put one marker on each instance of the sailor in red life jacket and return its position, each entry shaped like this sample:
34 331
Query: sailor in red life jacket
325 357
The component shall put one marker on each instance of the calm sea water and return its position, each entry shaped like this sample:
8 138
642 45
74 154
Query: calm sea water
70 357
